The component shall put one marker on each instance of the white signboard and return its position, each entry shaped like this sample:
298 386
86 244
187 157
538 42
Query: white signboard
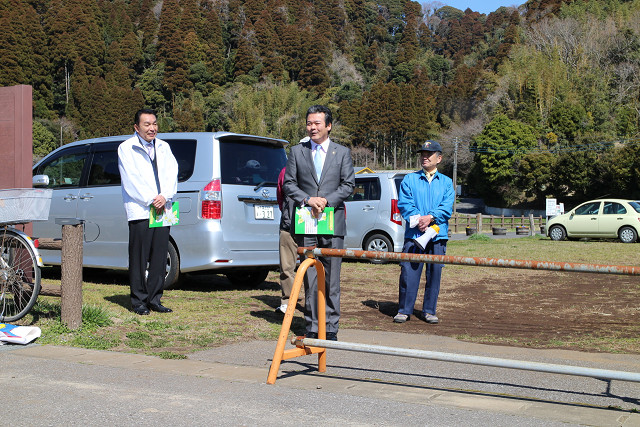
552 207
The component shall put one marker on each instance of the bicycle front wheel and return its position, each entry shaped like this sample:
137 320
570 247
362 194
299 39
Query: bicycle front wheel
19 277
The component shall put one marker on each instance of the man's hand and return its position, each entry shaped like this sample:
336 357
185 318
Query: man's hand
317 205
424 222
158 202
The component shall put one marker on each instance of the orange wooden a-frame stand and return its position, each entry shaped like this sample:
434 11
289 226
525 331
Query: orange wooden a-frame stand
282 354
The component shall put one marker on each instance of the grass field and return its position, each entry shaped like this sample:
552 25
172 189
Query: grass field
209 311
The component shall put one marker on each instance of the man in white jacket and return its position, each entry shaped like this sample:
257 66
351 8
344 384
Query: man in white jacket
149 174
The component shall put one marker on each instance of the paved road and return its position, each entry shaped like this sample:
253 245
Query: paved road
47 385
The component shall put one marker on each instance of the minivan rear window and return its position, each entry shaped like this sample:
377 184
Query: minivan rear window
251 163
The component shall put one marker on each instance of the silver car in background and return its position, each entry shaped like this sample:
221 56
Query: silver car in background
227 192
374 222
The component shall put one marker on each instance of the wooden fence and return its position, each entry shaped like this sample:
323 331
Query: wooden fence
459 222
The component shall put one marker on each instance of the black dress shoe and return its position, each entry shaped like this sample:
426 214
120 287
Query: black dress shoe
160 308
313 335
332 336
141 310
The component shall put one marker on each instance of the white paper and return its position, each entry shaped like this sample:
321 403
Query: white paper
18 334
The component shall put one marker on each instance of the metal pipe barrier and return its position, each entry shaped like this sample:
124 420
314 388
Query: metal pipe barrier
604 374
305 346
474 261
282 354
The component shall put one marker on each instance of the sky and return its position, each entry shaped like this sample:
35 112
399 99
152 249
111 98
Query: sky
482 6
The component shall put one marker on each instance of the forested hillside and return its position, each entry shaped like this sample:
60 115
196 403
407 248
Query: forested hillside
541 101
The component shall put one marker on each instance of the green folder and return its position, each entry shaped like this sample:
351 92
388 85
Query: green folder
166 217
307 224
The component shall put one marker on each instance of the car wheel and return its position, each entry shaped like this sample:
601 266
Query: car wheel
627 235
380 243
557 233
248 278
173 268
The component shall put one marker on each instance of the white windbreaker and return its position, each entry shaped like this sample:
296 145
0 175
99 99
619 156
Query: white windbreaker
138 180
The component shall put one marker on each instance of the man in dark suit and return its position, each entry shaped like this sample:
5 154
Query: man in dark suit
320 174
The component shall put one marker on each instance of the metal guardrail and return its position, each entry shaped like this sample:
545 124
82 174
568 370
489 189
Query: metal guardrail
474 261
604 374
307 346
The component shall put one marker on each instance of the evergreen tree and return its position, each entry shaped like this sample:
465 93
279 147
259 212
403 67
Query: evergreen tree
147 23
408 46
117 21
499 147
123 99
247 56
150 85
74 36
211 34
292 40
535 174
268 45
24 53
313 75
190 18
188 115
44 141
171 49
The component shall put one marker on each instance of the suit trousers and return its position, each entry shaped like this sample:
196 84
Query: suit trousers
288 258
410 273
332 266
147 246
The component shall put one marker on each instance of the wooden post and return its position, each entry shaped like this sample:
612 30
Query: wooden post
532 225
479 222
71 273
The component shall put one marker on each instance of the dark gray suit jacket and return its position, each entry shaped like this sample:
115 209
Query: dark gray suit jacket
336 183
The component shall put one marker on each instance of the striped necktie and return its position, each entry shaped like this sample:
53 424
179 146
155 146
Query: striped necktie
149 148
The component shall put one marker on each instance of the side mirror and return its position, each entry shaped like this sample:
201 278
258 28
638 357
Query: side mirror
40 181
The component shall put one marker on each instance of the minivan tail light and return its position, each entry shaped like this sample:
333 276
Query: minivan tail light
396 217
212 200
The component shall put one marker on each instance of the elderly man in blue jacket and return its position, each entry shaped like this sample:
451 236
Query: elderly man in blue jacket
426 198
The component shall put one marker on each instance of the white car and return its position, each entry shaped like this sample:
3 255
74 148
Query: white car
599 219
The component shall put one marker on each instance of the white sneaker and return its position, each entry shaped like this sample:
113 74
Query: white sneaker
400 318
431 318
282 309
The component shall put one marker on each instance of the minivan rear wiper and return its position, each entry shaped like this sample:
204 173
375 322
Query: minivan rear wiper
264 184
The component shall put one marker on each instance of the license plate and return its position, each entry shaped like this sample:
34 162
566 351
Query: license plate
263 212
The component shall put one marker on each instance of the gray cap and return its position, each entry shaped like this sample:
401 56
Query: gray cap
430 146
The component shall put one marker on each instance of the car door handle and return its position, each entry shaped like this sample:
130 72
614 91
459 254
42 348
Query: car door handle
367 208
594 219
86 196
70 197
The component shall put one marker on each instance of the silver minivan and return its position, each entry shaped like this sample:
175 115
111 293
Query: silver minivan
227 192
374 222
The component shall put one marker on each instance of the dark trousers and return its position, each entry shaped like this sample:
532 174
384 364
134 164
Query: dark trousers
147 246
332 266
410 273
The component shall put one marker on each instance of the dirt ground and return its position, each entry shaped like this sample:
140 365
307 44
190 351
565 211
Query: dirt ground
581 311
